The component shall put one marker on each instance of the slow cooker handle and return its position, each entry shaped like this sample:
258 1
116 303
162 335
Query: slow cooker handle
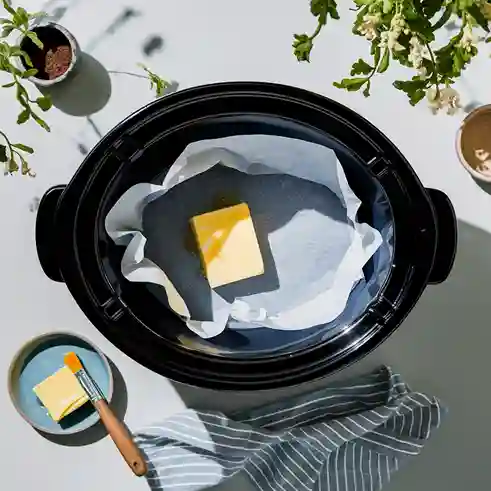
446 241
45 232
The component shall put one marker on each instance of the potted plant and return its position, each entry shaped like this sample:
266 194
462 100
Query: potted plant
13 155
404 31
45 54
52 51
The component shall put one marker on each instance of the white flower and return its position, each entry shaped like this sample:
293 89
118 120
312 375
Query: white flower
468 40
389 39
445 98
417 53
368 27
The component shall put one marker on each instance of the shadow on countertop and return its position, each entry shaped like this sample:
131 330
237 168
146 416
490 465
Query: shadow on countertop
95 433
85 92
485 186
443 349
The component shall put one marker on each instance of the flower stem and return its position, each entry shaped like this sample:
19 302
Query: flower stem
127 73
317 31
435 72
7 141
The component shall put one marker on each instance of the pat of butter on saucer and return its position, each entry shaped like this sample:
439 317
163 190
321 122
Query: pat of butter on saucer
228 245
61 393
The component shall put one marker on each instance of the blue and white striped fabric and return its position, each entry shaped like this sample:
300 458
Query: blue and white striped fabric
351 436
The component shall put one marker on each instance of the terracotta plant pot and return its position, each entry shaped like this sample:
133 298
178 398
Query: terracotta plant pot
58 58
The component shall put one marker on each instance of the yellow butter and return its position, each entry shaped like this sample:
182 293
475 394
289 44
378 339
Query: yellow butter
228 245
61 393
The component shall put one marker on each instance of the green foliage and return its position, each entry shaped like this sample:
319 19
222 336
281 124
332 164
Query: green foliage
303 43
415 89
158 84
18 20
413 24
12 157
351 84
361 67
302 46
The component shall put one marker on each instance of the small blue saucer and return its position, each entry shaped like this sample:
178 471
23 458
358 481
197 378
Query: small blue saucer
40 358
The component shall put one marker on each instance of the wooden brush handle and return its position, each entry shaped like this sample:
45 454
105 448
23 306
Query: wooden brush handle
122 438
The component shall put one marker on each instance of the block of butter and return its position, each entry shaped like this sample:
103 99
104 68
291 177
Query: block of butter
228 245
61 394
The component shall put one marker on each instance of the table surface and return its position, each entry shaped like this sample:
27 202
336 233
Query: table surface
442 348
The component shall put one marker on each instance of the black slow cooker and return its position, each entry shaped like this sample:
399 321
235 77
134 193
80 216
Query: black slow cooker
74 248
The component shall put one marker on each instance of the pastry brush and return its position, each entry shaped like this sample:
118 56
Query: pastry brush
116 429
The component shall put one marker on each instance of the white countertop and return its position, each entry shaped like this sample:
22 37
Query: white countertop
443 346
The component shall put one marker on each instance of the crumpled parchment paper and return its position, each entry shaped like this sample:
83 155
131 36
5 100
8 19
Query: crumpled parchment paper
316 253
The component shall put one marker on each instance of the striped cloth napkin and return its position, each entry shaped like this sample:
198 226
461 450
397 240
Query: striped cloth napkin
351 436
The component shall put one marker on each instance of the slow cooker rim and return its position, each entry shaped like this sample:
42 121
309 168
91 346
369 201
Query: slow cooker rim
122 129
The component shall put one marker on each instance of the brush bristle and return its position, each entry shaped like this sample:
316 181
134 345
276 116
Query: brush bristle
72 362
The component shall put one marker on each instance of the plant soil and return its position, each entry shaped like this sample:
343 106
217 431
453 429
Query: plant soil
56 56
58 61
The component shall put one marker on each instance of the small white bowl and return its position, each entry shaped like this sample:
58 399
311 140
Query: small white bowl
481 115
74 46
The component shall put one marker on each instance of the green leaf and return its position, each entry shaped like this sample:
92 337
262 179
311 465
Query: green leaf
6 31
387 6
6 86
8 7
34 38
422 26
29 73
409 86
476 12
351 84
302 46
156 82
40 122
366 91
22 95
384 63
44 103
5 49
21 18
15 51
3 153
27 59
443 19
23 116
361 67
23 147
12 166
5 21
458 61
410 11
415 89
375 51
416 96
9 67
322 8
429 8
